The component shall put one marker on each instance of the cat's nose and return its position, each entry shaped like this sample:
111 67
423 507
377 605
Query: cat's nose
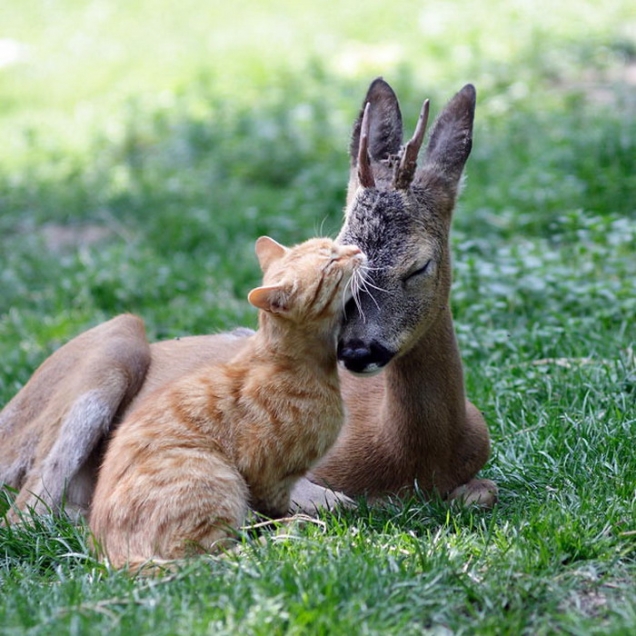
358 255
352 250
364 358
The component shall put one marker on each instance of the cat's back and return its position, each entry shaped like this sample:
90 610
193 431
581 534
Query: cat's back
185 414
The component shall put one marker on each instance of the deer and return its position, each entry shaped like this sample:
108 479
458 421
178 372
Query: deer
409 426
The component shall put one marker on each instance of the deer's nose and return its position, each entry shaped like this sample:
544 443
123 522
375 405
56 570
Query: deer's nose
361 357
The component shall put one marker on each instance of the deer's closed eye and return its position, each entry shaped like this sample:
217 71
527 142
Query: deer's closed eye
419 271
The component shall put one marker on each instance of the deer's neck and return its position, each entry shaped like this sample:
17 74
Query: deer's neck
424 401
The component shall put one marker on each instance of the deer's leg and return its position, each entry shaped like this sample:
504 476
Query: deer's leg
474 454
65 475
52 428
309 498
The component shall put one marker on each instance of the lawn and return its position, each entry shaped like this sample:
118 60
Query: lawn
146 145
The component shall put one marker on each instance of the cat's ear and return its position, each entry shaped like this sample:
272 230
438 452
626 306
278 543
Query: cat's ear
268 251
272 298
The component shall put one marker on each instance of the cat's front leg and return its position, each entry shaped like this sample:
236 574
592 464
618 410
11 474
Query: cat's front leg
271 500
309 498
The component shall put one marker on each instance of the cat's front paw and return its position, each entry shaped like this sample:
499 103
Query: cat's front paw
309 498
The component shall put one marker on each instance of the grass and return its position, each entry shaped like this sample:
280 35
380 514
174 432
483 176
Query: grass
175 134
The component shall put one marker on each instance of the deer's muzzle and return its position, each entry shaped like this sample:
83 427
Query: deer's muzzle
363 358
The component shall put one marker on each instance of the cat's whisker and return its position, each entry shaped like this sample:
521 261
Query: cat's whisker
350 290
371 296
365 284
370 293
357 281
368 268
368 284
363 287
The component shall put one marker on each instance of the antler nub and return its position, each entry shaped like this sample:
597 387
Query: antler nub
365 174
408 161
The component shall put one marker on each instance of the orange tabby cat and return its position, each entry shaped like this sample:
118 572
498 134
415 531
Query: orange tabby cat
180 476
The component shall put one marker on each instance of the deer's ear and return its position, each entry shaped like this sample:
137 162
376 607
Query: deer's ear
271 298
450 142
385 130
268 251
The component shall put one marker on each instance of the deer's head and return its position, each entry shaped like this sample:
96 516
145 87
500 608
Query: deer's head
399 215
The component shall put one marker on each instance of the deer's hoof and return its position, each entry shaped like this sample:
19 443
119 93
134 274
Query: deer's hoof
477 492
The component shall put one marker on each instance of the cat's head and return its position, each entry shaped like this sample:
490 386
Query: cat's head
311 281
